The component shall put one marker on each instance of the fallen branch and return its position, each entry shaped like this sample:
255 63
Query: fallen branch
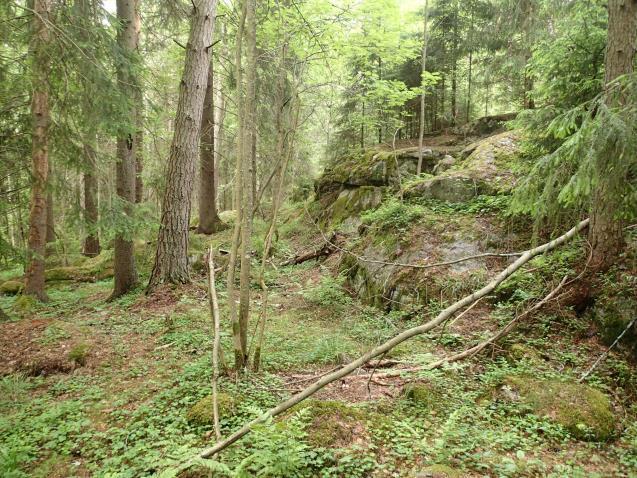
214 310
607 351
501 333
328 247
443 316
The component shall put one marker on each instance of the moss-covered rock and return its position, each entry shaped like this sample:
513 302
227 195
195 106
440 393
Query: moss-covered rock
487 170
93 269
11 287
523 352
201 412
351 202
584 411
449 187
24 305
423 395
438 471
333 424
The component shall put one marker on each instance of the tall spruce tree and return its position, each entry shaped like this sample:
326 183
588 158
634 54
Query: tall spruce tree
171 258
606 229
128 41
41 116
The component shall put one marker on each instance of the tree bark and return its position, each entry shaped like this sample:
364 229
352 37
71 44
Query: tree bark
139 124
421 133
50 214
91 241
171 259
128 39
606 232
239 352
34 273
248 175
209 221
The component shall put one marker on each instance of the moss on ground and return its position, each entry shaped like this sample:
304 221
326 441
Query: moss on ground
333 424
11 287
424 395
24 305
438 471
584 411
79 353
201 412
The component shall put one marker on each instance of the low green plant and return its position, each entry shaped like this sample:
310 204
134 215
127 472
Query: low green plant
393 214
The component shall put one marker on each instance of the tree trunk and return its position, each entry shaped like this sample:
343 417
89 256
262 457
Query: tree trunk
248 175
139 157
91 245
50 214
91 241
139 124
422 84
171 259
220 132
606 231
34 273
128 39
454 68
209 221
239 352
528 8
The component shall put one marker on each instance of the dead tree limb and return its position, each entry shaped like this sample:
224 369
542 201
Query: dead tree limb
501 333
602 357
328 247
443 316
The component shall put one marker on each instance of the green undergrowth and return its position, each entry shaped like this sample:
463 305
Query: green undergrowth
141 403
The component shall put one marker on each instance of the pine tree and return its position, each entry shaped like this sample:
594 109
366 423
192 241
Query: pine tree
171 259
128 40
40 70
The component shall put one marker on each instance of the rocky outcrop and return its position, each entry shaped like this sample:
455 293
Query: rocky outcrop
487 169
379 279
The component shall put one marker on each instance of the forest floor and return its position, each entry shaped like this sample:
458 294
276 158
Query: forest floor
96 388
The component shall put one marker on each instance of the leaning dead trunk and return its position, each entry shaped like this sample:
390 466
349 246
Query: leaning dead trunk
171 259
124 259
385 347
34 273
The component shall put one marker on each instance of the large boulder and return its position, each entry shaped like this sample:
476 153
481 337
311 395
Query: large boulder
376 275
350 203
584 411
487 170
